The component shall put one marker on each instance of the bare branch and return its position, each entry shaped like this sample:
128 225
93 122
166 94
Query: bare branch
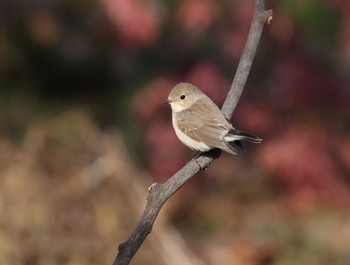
160 193
261 16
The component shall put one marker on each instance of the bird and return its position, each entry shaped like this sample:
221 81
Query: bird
199 123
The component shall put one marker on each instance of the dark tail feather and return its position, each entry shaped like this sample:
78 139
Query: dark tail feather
237 145
234 138
239 135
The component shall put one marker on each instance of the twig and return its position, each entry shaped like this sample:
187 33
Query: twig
160 193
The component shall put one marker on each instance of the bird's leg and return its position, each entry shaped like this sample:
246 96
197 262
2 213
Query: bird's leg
213 153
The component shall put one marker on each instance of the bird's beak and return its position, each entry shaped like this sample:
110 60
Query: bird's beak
167 101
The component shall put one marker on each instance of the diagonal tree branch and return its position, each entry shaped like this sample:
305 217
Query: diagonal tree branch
160 193
261 16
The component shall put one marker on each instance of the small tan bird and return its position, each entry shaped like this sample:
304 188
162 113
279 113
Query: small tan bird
200 124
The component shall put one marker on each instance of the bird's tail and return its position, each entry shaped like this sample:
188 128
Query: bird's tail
234 138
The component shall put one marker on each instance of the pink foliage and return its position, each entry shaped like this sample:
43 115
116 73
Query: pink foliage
135 21
233 43
300 163
243 14
206 76
255 117
297 82
344 153
165 153
344 36
342 5
147 103
282 28
234 38
196 16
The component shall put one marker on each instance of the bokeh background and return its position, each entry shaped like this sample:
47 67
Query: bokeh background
83 133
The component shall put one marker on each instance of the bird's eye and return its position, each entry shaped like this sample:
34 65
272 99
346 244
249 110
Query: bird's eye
182 97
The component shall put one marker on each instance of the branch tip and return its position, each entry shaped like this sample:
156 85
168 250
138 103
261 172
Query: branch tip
266 16
151 188
269 20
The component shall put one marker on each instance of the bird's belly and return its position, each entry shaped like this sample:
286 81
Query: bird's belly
188 141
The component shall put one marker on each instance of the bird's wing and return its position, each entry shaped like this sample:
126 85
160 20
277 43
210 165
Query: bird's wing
202 125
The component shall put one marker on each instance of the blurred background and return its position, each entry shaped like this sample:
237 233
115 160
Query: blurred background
83 133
